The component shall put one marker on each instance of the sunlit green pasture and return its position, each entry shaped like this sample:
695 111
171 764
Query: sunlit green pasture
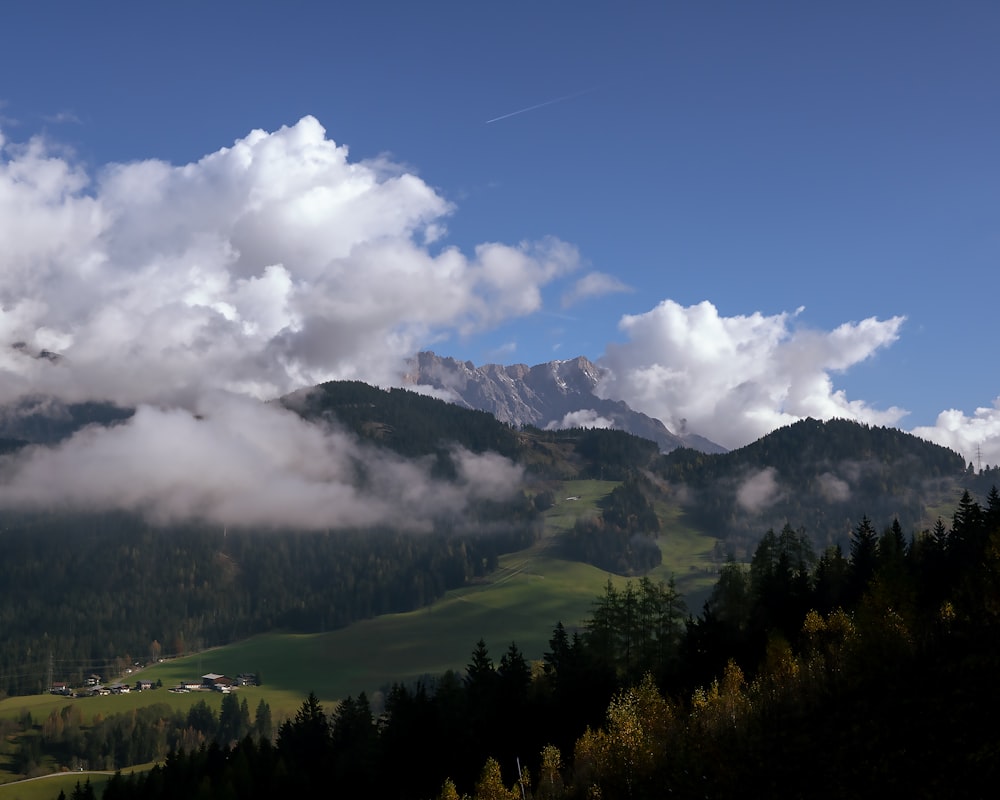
575 499
687 556
520 602
49 786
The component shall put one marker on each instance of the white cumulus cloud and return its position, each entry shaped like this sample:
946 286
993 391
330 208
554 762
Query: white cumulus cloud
186 290
275 263
976 437
735 379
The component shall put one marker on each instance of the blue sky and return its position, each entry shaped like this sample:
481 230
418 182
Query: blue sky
748 183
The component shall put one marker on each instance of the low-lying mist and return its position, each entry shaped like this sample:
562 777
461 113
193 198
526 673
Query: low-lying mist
236 462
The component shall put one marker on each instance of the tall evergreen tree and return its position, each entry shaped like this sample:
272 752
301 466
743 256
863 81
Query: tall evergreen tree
864 556
305 745
831 579
262 724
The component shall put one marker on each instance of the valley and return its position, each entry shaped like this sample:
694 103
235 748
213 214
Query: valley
598 520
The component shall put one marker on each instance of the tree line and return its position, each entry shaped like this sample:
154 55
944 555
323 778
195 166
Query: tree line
148 733
93 593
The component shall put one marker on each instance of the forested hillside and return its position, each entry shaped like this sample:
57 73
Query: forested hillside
410 424
818 476
802 677
82 591
810 643
96 591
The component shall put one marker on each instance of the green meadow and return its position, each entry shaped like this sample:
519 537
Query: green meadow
521 602
687 557
48 786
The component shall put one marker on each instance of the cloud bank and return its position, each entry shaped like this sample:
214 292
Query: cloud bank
237 462
269 265
735 379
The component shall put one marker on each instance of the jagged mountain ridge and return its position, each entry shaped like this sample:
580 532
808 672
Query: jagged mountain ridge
556 393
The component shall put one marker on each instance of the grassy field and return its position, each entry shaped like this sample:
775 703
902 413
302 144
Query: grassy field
687 556
521 602
49 786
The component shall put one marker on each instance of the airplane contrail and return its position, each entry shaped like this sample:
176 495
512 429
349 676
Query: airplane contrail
539 105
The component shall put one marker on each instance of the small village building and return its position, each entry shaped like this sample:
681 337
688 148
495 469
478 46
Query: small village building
60 687
215 681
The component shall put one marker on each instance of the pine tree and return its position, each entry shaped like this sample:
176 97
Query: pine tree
480 672
939 536
992 513
514 677
304 741
892 549
262 725
601 627
555 658
864 556
831 579
354 744
968 535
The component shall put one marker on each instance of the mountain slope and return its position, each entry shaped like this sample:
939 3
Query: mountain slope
821 476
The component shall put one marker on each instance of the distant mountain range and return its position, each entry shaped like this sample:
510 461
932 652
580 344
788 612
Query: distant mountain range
557 394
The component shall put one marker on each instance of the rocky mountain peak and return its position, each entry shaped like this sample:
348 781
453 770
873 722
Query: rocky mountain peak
554 394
